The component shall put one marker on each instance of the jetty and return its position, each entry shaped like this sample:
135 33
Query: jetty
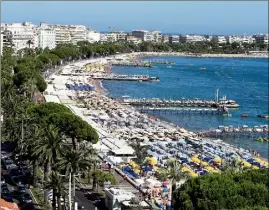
132 64
161 62
157 102
231 131
120 77
173 110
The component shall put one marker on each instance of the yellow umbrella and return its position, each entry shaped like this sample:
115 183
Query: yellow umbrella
195 159
217 159
258 160
193 174
246 164
204 163
265 163
255 167
185 169
152 161
209 168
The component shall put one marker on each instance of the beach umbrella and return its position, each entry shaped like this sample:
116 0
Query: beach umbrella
217 159
152 161
255 167
195 159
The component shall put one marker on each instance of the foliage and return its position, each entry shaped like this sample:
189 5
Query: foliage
141 152
242 190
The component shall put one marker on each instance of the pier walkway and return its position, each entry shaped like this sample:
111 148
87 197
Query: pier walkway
243 131
173 110
156 102
140 78
132 64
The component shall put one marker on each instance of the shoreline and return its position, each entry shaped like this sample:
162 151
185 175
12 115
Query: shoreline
182 54
101 92
166 123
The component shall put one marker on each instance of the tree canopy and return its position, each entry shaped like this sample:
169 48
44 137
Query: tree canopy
242 190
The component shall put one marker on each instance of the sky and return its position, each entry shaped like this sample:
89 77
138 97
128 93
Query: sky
207 17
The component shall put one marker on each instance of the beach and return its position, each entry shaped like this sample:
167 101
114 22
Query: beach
119 125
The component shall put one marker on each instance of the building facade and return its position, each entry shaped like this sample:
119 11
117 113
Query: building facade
174 39
1 44
93 36
261 38
220 39
240 39
191 38
115 196
46 38
20 35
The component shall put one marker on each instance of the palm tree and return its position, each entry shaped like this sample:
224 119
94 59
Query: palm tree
56 183
77 161
141 152
29 42
34 134
174 173
49 150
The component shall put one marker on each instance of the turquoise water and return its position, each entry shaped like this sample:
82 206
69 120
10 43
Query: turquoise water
244 80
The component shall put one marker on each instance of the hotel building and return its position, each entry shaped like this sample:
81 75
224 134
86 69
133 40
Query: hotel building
20 35
46 38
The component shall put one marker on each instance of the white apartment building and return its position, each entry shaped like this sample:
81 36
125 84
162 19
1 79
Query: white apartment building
77 33
220 39
67 33
150 36
240 39
20 35
121 36
93 36
114 197
1 44
191 38
133 39
46 38
109 37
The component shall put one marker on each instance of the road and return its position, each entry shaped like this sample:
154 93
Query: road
88 204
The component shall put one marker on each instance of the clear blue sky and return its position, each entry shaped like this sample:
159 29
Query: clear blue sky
182 17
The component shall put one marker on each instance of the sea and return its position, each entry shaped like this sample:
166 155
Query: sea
244 80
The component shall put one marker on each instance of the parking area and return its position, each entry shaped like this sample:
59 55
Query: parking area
15 177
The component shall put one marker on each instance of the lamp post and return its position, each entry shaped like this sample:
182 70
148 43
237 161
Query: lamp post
69 191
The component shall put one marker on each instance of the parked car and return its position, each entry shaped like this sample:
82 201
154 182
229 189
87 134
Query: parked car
21 188
80 207
7 197
25 198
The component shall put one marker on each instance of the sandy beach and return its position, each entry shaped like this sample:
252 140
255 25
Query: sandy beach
119 125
